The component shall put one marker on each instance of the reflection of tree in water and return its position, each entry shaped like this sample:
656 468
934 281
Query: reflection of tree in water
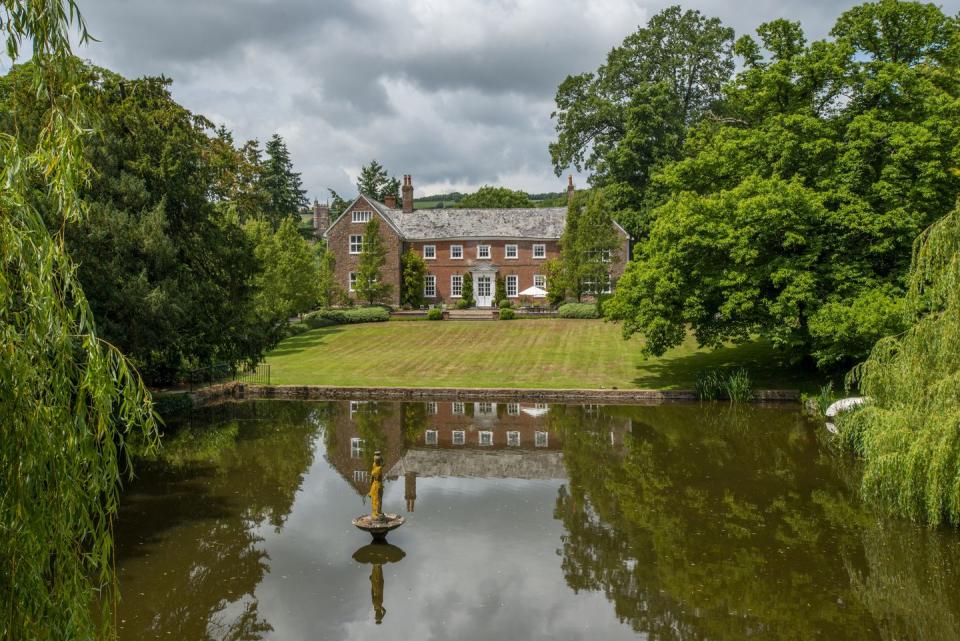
703 526
218 483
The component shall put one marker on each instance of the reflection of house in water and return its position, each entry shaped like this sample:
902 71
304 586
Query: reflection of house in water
454 439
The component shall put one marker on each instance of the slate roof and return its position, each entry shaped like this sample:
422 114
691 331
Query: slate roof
540 223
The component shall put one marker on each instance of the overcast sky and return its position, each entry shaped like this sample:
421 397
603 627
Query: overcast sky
457 93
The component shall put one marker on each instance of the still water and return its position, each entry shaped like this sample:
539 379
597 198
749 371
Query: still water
524 521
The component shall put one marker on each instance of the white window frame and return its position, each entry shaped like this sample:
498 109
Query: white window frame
513 409
543 251
458 437
361 476
356 244
542 284
485 438
506 252
361 216
456 290
430 437
456 252
429 252
352 281
541 439
432 408
513 284
429 286
356 447
458 409
513 439
480 254
484 408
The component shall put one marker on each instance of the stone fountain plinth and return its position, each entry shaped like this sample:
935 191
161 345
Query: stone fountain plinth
378 527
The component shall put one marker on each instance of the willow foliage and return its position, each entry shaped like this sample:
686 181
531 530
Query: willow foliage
909 435
67 399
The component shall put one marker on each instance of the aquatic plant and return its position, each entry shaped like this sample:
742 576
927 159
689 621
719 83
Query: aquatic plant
737 386
713 385
709 385
909 434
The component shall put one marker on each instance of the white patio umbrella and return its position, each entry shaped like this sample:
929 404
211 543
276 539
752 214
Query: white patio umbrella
534 292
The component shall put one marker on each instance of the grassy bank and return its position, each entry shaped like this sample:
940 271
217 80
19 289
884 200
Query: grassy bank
546 353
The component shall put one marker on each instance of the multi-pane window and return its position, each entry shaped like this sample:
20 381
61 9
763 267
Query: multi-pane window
356 243
512 285
603 254
356 447
539 280
430 252
590 286
484 409
459 409
361 476
459 437
513 439
362 216
485 438
456 286
456 252
353 281
513 409
432 409
430 286
539 251
483 251
510 251
430 437
541 439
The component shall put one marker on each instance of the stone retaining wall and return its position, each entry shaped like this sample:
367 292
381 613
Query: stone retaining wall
605 396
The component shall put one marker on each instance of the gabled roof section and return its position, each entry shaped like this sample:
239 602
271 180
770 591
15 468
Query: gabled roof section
382 209
538 223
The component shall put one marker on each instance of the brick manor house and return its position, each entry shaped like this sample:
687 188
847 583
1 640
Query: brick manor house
456 244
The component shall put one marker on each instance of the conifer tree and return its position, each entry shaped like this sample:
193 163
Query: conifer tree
375 182
370 286
466 294
282 184
414 275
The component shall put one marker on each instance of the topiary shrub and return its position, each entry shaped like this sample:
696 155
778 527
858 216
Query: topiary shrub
435 314
506 304
463 304
507 313
578 310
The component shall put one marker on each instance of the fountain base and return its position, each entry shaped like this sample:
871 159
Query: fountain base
378 528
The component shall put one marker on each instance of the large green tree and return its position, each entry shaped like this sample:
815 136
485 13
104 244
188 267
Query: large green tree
68 399
370 286
162 258
494 197
414 274
792 216
286 196
633 113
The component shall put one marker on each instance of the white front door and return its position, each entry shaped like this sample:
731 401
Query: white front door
483 285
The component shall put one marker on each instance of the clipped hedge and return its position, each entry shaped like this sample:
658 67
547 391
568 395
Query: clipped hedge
327 317
578 310
435 314
507 314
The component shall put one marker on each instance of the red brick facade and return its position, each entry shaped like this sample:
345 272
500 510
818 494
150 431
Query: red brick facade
518 260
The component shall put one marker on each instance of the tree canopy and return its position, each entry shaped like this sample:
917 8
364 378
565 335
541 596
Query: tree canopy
374 181
285 193
494 197
791 214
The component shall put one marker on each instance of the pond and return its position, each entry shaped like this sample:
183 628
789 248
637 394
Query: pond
524 521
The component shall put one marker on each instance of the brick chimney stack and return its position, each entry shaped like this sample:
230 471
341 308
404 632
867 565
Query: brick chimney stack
321 218
570 190
390 201
407 190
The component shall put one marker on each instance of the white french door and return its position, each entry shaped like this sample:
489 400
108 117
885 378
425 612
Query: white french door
483 285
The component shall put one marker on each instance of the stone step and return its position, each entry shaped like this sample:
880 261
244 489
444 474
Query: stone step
471 314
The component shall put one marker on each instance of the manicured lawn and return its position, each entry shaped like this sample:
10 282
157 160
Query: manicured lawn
547 353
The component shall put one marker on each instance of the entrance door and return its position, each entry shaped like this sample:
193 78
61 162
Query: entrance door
484 289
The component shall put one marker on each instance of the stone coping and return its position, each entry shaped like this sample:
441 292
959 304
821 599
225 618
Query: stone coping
605 396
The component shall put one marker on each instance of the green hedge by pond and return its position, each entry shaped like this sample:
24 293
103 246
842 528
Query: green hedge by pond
578 310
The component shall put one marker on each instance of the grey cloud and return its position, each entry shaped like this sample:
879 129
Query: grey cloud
455 92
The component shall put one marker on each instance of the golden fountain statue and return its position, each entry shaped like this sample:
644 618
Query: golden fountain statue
377 523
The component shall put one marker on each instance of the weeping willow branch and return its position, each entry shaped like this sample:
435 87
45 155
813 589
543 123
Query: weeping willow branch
909 435
67 400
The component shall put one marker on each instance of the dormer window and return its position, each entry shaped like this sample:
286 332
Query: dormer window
361 216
